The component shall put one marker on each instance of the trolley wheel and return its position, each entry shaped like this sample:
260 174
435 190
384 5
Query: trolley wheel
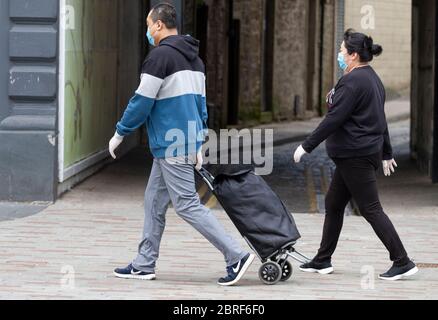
270 273
286 270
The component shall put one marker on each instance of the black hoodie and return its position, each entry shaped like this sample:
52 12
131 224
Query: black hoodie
173 54
186 45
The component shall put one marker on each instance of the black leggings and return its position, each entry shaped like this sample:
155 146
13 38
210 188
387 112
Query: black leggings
356 177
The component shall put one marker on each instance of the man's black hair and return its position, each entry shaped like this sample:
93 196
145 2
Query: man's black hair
166 13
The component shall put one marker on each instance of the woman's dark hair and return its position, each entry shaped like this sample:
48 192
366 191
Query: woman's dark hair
362 44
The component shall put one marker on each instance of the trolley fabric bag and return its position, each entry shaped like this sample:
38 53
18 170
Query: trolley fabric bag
256 211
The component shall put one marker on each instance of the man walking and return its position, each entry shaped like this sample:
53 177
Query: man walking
171 99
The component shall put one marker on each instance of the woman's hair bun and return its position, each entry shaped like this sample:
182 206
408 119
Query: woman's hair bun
376 50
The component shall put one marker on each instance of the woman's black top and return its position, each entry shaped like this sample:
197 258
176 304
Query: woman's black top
355 124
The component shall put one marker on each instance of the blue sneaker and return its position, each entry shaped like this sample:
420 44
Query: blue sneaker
131 273
236 272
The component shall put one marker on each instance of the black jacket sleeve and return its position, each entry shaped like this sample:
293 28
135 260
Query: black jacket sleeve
387 148
344 103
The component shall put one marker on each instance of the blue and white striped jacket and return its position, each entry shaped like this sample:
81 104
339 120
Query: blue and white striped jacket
171 99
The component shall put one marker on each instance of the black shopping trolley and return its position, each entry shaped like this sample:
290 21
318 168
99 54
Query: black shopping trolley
261 218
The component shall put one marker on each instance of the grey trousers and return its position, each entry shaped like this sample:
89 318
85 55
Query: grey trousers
174 180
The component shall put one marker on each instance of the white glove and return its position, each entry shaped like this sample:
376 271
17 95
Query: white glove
299 153
199 160
388 167
114 144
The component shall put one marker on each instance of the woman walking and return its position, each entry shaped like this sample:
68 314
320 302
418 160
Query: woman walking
357 137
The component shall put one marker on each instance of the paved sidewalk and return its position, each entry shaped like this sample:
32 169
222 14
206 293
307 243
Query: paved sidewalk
91 231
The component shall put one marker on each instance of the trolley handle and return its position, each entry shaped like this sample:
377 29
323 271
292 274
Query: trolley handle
206 176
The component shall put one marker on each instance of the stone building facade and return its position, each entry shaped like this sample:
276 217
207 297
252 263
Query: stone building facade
286 51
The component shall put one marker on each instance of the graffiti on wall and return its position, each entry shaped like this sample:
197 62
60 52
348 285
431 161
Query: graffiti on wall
90 77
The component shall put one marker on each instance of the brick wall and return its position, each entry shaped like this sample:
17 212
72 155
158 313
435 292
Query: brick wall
392 30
